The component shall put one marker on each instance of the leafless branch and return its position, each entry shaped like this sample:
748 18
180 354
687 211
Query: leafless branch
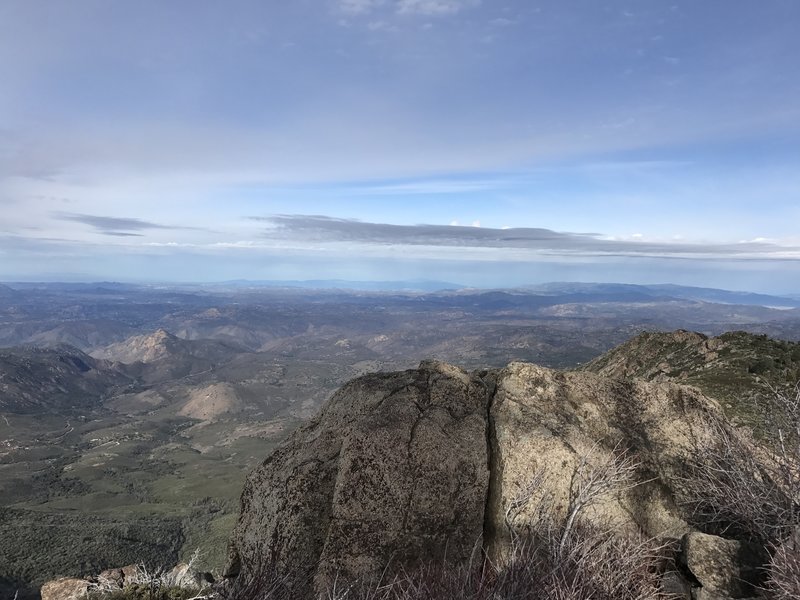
595 478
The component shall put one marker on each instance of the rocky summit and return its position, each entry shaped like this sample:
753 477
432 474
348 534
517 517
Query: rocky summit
430 464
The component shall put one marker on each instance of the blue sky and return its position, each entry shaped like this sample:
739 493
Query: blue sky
637 141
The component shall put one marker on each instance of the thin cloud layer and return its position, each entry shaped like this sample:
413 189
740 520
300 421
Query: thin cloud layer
407 7
114 226
434 7
319 228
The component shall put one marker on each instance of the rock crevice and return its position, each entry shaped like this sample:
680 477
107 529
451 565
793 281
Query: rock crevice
420 465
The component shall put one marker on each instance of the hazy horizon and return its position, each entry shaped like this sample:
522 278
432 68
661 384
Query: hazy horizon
375 285
494 144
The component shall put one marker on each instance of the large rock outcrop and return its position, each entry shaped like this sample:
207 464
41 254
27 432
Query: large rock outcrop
394 467
424 464
547 422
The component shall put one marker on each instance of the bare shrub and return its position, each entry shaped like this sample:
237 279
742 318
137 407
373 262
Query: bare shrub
592 480
730 491
592 563
571 559
751 492
784 573
432 581
737 489
588 564
267 582
145 584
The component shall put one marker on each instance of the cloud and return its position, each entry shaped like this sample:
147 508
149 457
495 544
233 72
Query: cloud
115 226
431 187
14 243
433 7
429 8
357 7
320 229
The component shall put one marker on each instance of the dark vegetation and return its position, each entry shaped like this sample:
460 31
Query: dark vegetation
37 545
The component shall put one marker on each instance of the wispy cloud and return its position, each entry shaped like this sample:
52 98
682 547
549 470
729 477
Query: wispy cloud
10 242
430 8
114 226
321 229
358 7
434 7
430 187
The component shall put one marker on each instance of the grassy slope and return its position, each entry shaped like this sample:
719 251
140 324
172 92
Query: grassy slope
736 368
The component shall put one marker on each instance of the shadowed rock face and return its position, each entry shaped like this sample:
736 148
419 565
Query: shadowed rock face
394 468
422 464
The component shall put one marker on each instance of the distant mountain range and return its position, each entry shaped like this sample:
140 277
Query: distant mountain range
668 290
342 284
553 288
618 290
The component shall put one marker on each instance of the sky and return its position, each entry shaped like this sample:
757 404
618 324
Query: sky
489 143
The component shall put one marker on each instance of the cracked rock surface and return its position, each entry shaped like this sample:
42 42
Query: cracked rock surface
393 468
420 465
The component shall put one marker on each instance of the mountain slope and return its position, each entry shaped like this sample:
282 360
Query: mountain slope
161 356
7 293
735 368
599 291
59 379
162 344
86 335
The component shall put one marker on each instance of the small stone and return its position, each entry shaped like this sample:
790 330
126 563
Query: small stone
129 571
184 576
65 588
718 566
112 577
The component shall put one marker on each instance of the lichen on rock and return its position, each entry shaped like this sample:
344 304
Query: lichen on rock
422 465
